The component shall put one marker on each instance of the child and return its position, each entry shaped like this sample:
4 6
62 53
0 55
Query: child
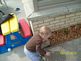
33 49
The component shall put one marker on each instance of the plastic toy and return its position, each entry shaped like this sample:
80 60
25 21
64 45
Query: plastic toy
14 24
5 28
25 27
2 40
12 36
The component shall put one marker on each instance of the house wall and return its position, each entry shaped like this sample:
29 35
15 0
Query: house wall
55 23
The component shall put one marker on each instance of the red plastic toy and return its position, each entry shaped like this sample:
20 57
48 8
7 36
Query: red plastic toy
25 28
2 41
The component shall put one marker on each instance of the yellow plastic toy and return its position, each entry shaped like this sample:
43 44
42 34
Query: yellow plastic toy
5 28
10 25
14 24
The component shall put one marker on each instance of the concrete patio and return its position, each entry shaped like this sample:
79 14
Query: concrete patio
59 52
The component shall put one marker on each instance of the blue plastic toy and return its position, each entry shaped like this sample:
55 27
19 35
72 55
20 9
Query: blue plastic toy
14 36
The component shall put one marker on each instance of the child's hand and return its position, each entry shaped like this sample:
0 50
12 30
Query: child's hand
47 54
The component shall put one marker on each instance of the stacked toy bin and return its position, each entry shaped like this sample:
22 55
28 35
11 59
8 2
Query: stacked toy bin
14 34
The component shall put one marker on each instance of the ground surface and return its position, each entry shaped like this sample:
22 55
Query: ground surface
69 46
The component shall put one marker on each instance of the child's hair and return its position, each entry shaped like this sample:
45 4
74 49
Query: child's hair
44 30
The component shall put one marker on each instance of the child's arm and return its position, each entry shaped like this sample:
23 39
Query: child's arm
40 50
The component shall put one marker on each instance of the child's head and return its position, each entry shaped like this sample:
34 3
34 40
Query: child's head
45 32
